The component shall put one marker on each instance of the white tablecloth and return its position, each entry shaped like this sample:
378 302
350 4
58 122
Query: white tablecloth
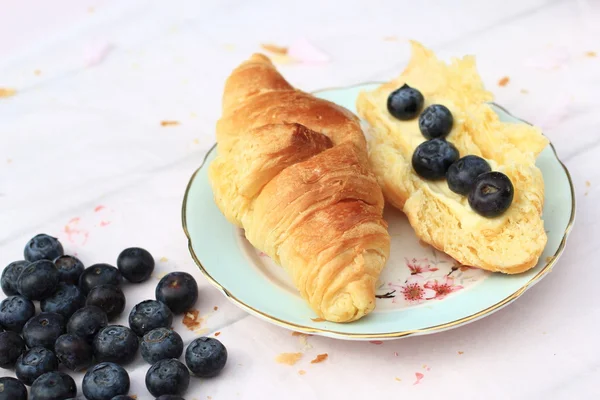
83 156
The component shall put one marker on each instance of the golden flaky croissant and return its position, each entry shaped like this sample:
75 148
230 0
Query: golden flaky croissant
292 170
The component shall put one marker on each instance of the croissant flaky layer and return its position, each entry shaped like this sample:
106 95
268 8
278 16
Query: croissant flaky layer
292 170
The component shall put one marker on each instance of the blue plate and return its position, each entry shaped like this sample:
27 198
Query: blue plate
421 290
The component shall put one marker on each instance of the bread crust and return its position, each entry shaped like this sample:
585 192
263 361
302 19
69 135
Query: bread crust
293 171
511 243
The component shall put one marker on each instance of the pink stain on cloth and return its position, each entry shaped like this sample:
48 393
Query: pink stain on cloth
419 376
305 52
95 52
74 233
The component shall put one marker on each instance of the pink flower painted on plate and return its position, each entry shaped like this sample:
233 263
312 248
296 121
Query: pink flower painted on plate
414 291
418 266
442 288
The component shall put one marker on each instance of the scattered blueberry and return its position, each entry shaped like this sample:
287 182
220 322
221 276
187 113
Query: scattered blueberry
65 301
86 322
436 121
38 280
35 363
115 343
148 315
11 347
10 275
167 377
178 290
43 330
69 269
160 344
43 247
53 386
432 158
105 381
206 357
492 194
15 311
462 174
99 274
136 264
405 103
108 298
73 352
169 397
12 389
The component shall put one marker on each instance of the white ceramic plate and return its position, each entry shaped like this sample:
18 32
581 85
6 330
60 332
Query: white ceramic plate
420 291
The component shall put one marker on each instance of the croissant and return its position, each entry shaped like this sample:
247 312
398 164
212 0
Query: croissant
292 170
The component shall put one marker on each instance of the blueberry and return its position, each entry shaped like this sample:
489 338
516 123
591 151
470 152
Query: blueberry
148 315
43 330
11 347
35 363
115 343
432 158
462 174
15 311
12 389
436 121
73 352
161 343
178 290
109 298
492 194
43 247
135 264
69 269
206 357
10 275
169 397
105 381
99 274
53 386
38 280
86 322
167 377
405 103
65 301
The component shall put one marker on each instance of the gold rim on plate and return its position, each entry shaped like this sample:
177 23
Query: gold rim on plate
437 328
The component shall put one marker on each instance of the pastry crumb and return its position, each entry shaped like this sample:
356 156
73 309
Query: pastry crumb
504 81
7 92
208 397
301 372
288 358
318 319
163 259
320 358
591 54
191 319
37 72
460 353
91 10
588 183
215 308
217 334
273 48
398 379
524 91
196 141
169 123
390 39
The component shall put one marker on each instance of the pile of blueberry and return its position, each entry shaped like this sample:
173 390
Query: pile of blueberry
73 331
489 193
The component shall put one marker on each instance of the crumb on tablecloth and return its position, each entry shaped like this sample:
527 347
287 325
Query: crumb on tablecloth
301 372
217 334
191 319
288 358
196 141
524 91
7 92
37 72
591 54
461 353
504 81
588 183
398 379
390 39
163 259
273 48
169 123
320 358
